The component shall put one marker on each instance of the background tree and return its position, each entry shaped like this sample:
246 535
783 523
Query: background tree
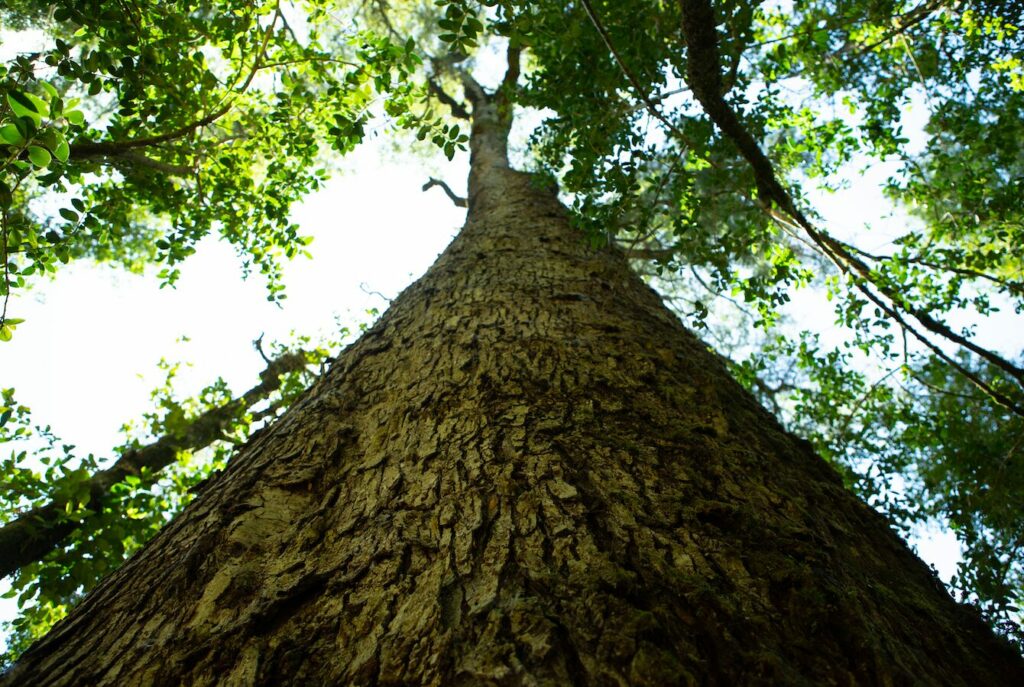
705 202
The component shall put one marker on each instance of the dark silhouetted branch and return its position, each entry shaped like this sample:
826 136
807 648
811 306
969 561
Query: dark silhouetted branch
457 199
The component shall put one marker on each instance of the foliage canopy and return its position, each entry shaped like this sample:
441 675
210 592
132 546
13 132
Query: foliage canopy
694 135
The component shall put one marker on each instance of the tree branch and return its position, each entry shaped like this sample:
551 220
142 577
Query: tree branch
704 78
459 201
474 91
32 535
901 24
136 159
633 81
513 69
454 105
647 253
114 148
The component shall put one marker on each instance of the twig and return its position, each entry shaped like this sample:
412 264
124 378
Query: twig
459 201
370 292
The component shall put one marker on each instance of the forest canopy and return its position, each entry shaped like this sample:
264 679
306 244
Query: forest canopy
692 135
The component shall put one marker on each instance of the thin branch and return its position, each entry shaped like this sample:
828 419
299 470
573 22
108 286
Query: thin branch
256 64
258 345
641 253
370 292
306 60
901 24
459 201
770 393
845 429
137 159
634 82
718 294
4 255
382 10
1011 286
287 26
940 390
269 411
113 148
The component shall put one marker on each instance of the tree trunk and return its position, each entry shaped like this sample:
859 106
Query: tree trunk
527 473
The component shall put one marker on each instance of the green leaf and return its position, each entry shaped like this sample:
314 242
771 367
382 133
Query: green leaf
40 156
27 105
75 117
69 215
61 151
22 104
10 134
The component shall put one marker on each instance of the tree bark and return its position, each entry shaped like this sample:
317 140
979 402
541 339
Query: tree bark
526 473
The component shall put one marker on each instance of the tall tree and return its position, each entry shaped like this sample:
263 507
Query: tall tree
527 472
227 104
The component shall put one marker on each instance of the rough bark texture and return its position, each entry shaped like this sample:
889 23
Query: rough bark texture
527 473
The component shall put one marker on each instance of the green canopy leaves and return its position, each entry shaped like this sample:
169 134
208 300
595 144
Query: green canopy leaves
156 124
